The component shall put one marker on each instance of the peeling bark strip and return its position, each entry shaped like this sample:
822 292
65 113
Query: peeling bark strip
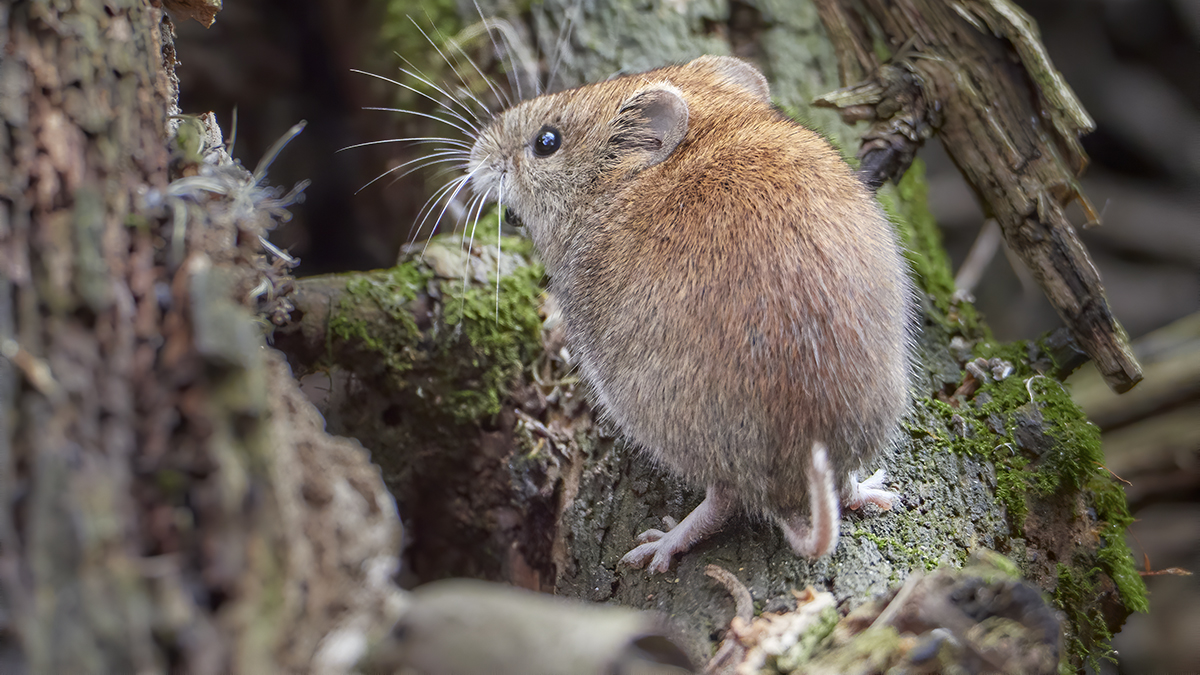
975 71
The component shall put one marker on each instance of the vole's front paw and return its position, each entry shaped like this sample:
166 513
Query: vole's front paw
871 490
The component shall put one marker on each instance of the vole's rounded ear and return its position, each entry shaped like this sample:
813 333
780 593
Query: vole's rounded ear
650 124
736 72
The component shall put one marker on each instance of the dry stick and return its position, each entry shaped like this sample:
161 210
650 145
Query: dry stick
731 650
975 71
979 257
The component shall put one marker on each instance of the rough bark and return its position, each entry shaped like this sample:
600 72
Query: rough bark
168 499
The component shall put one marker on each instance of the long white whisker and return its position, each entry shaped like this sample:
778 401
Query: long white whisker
434 227
501 95
431 203
513 82
445 93
443 120
452 168
426 165
499 247
467 251
416 140
450 154
473 204
519 59
478 205
461 184
418 92
442 54
564 36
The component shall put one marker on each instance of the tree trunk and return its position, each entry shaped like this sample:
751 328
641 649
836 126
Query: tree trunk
170 500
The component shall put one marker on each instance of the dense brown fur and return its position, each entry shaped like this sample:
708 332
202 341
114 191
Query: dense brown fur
733 299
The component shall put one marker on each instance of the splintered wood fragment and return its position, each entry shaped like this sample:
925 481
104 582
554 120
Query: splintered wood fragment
203 11
975 72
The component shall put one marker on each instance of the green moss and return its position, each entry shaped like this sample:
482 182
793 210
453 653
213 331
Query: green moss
1076 463
1108 499
991 566
1074 455
920 235
913 556
1067 425
875 650
1011 487
1068 461
807 643
460 368
499 329
1011 478
1075 592
1068 458
390 291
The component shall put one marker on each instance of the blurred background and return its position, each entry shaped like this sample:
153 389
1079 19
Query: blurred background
1135 64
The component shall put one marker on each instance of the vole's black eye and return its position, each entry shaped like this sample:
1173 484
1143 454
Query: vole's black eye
546 141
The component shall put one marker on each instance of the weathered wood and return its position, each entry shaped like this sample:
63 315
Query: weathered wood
975 72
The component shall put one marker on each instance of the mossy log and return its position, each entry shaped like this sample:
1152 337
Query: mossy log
522 484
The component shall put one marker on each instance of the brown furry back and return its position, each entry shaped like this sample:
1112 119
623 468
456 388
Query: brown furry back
732 304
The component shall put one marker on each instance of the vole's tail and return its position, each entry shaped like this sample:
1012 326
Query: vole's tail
818 536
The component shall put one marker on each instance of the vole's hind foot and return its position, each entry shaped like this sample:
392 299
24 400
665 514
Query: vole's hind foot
659 547
655 549
819 538
871 491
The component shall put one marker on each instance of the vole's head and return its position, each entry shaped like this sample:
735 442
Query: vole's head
552 157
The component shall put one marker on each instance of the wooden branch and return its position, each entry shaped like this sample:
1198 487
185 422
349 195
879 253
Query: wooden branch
975 72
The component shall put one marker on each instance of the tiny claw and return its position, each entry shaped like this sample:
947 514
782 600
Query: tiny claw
658 547
658 555
637 556
661 562
650 535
